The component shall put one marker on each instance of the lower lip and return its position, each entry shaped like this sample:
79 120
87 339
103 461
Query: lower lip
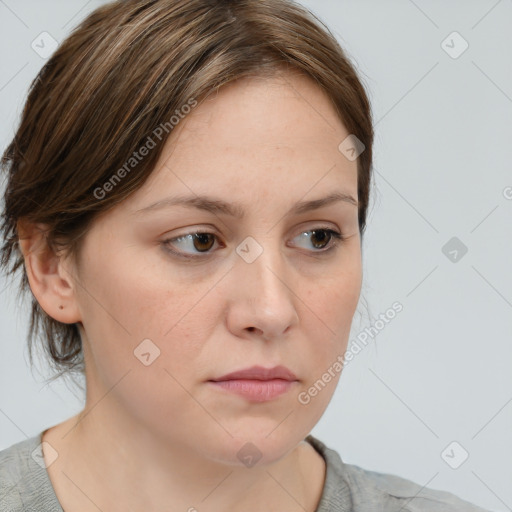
256 390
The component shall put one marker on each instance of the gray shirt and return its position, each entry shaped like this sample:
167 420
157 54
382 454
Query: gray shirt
25 486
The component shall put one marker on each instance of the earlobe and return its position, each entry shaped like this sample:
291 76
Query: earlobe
51 284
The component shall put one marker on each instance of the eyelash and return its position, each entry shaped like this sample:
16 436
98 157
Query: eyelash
336 239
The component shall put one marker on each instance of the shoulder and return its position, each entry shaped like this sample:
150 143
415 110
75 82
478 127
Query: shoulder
24 482
367 490
397 491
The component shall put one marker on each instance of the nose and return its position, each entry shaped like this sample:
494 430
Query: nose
263 303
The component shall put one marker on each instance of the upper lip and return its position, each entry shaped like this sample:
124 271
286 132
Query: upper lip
260 373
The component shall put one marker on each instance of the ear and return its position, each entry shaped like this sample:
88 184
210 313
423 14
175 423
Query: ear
52 286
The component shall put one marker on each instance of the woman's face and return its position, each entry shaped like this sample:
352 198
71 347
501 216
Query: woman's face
260 289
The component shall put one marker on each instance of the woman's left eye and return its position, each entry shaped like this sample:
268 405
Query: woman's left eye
202 242
323 237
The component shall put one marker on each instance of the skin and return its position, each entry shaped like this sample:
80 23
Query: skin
151 436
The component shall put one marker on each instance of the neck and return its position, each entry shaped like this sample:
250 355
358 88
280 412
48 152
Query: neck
113 464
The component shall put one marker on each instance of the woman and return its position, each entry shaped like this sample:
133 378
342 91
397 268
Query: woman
187 195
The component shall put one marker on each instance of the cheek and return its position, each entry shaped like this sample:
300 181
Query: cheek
334 299
327 322
327 315
126 303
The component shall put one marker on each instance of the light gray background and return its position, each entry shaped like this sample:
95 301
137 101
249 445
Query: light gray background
440 371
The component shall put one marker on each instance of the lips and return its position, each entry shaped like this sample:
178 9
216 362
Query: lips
259 373
257 384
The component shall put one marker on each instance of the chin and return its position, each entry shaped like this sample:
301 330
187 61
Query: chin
255 447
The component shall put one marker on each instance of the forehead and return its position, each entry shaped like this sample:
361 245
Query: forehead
288 110
252 138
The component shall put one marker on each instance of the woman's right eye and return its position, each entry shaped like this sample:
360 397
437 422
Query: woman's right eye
201 241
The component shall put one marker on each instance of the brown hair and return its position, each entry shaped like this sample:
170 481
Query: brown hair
122 73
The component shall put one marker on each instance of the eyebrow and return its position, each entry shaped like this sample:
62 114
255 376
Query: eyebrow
218 206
